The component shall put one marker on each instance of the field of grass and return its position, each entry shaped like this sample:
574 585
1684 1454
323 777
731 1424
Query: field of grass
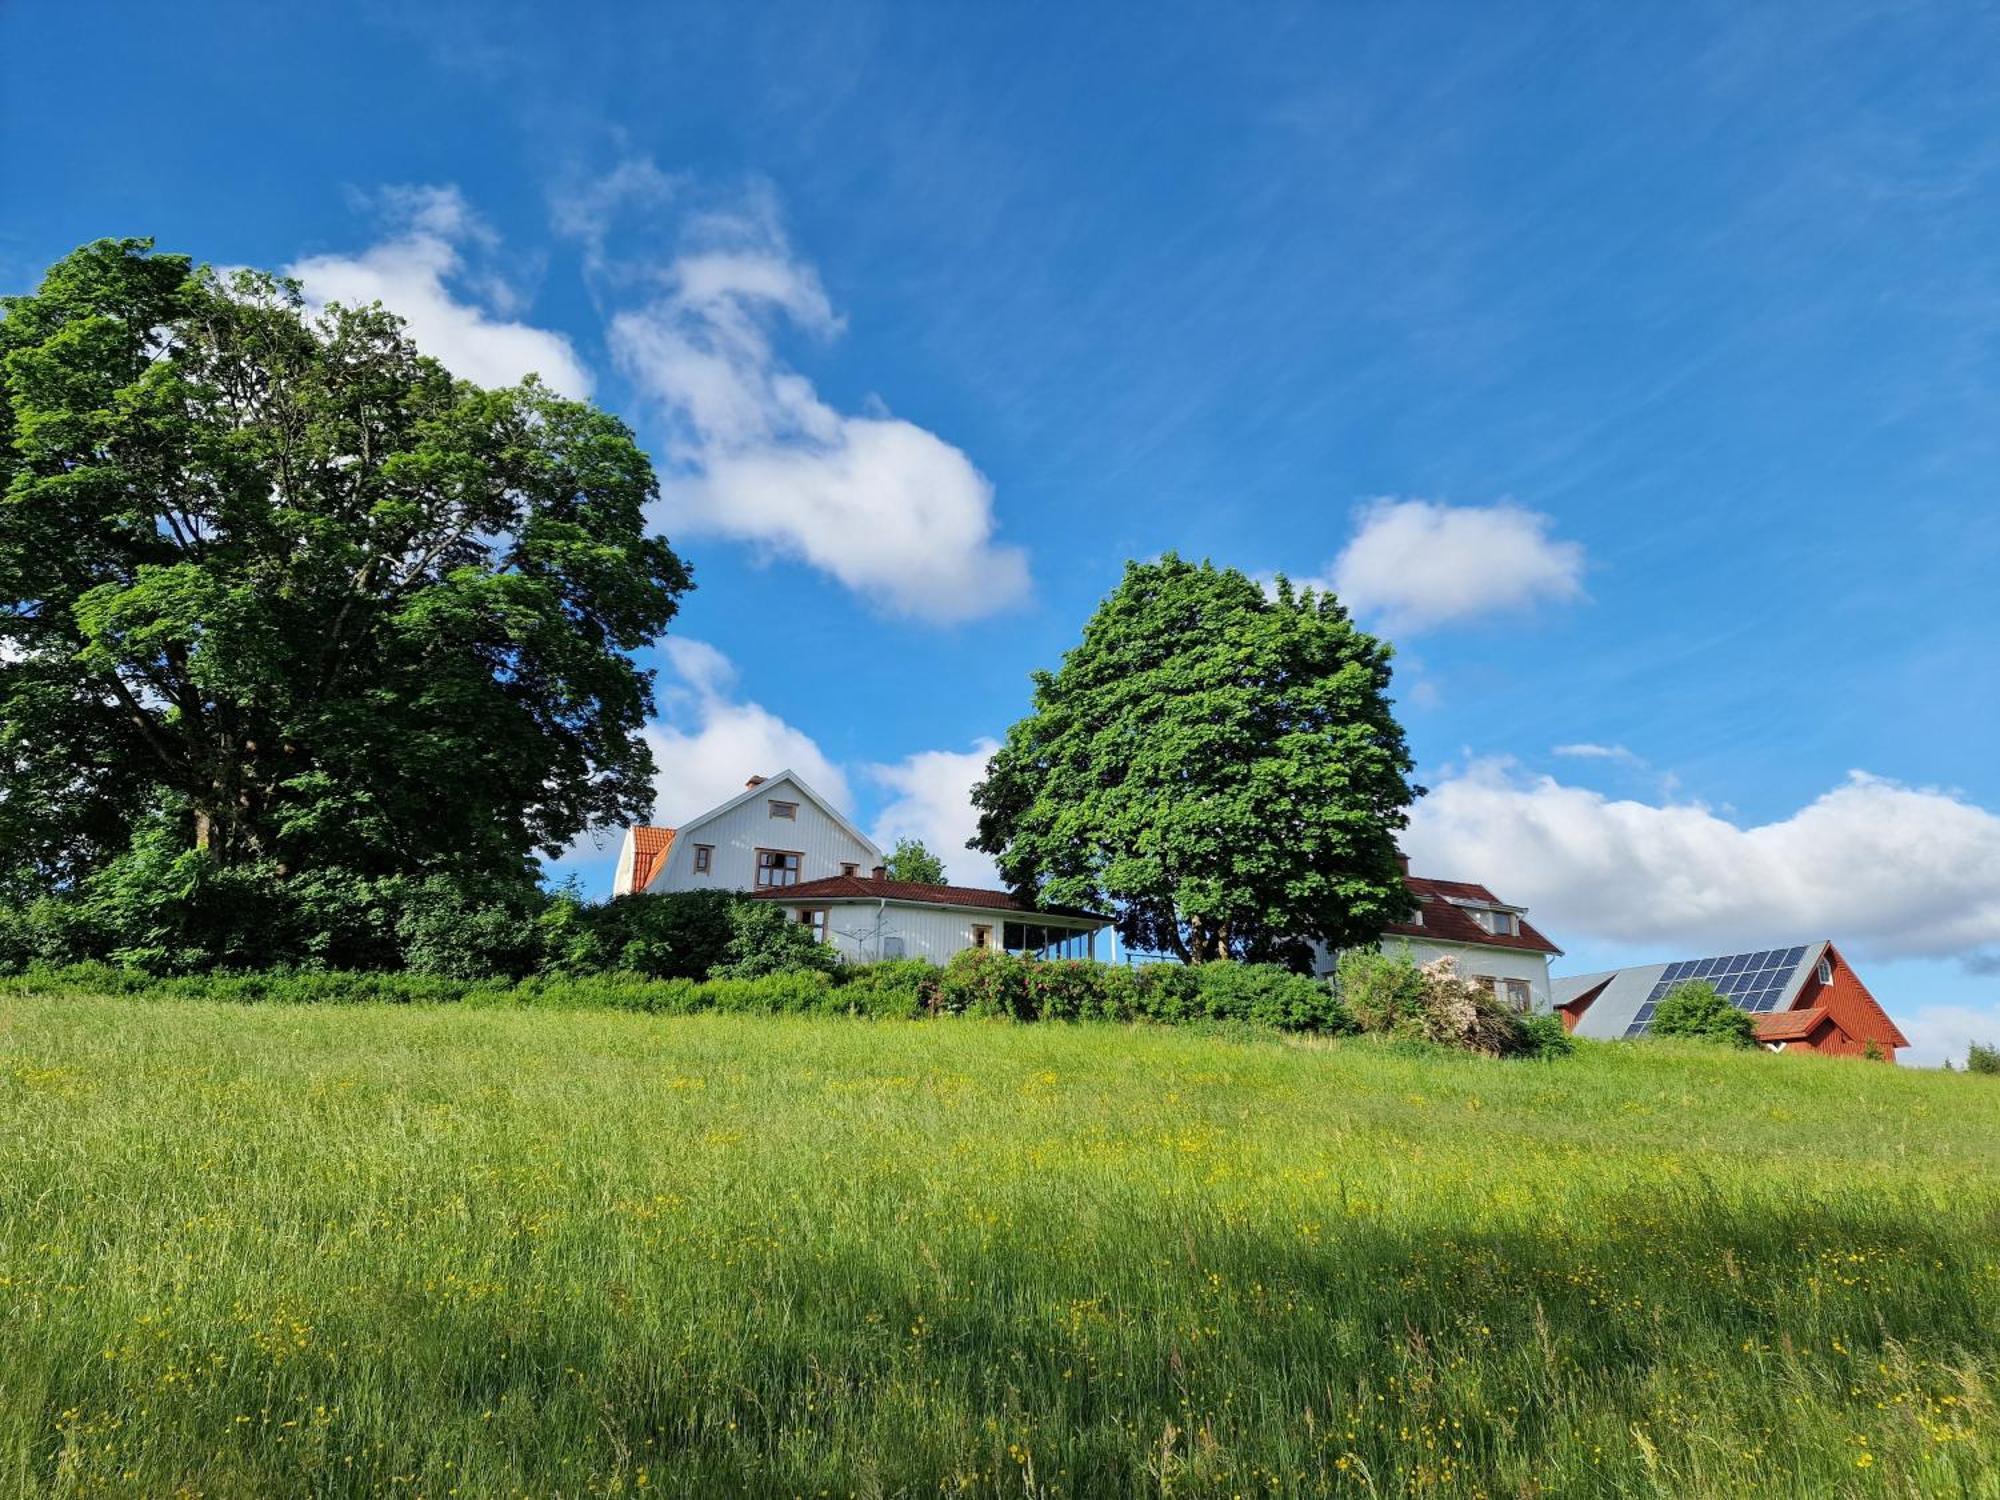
433 1251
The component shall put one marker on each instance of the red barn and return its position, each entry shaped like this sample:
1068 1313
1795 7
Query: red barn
1806 997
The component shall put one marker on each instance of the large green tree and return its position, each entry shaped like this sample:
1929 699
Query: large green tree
278 592
1217 764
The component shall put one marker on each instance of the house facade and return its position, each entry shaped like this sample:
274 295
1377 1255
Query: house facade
778 840
1490 940
1805 997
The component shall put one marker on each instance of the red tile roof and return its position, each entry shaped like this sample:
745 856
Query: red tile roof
1790 1025
650 847
1446 923
867 888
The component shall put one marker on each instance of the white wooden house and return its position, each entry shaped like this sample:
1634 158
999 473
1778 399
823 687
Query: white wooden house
780 841
1490 940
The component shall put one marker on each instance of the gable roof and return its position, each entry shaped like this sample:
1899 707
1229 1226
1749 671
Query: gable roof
763 787
1769 983
1790 1025
650 848
1445 922
867 888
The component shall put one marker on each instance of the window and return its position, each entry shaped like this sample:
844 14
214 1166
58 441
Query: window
982 936
1825 970
848 867
1517 994
776 867
786 810
815 918
704 858
1499 923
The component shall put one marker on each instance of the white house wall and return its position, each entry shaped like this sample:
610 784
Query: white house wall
858 928
1476 961
739 833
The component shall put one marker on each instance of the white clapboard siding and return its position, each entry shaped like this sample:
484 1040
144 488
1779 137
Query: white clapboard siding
737 832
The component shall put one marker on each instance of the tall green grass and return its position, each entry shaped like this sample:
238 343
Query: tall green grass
432 1250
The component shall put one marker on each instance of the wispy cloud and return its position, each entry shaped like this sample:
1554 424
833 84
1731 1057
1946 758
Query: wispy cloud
462 313
894 512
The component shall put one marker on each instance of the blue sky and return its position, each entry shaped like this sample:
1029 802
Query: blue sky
1636 368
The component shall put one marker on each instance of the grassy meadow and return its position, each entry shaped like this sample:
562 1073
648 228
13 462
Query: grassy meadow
430 1251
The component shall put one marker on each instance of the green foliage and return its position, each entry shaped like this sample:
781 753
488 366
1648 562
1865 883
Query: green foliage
1381 990
1391 995
896 989
982 982
1546 1036
1697 1009
294 625
663 935
1218 766
911 860
1981 1058
764 940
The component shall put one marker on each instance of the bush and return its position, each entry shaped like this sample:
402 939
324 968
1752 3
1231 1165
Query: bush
763 941
896 989
1699 1011
1270 995
663 935
1381 990
1982 1059
984 982
1546 1035
1462 1013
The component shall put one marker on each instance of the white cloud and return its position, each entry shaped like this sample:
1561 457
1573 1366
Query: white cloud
1599 752
933 802
454 310
1879 867
724 741
892 511
1418 563
1940 1033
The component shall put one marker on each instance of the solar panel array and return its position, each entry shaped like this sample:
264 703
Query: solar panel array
1754 981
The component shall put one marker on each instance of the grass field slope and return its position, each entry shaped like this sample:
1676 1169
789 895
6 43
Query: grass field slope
269 1250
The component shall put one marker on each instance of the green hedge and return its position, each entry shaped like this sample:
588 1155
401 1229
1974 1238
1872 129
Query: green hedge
976 984
979 983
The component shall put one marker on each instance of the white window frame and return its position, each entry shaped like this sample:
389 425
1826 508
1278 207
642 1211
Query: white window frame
789 811
794 871
704 859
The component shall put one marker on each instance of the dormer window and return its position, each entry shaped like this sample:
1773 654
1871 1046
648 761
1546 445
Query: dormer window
789 811
1499 923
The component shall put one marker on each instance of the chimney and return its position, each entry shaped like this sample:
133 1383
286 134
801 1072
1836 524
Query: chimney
753 781
1402 861
880 872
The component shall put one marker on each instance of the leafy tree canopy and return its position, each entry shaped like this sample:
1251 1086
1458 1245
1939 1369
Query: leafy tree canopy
1699 1010
1218 765
280 593
912 860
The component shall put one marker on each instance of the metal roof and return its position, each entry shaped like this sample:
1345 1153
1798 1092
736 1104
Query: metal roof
1623 1005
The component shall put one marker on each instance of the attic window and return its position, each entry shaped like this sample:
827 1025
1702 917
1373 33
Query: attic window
787 810
848 867
1499 923
1825 970
704 858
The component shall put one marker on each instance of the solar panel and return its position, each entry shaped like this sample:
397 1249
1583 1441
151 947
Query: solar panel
1751 981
